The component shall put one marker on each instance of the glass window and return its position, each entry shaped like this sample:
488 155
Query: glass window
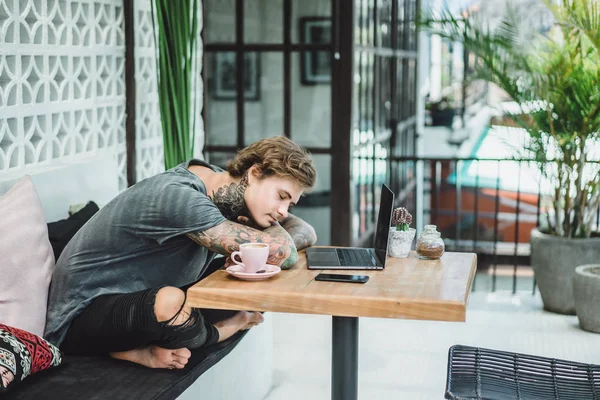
412 29
220 109
219 159
263 21
366 69
311 22
384 23
219 21
315 207
411 89
263 112
402 26
365 24
400 90
310 90
384 95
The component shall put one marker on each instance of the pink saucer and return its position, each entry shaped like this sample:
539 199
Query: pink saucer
238 272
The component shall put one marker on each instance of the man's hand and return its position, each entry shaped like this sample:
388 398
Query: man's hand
302 233
296 223
228 263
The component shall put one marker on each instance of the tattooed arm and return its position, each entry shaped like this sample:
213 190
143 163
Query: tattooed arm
302 232
226 238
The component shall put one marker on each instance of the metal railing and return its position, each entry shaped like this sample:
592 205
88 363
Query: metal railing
485 206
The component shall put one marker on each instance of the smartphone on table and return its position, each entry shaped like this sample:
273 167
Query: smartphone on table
342 278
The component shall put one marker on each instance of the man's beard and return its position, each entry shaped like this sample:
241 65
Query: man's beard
229 199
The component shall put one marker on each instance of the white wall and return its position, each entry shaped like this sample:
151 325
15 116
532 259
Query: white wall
148 132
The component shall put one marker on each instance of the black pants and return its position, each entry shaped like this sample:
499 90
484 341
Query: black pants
122 322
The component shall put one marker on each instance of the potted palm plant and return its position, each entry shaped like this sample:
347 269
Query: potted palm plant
176 35
442 111
555 79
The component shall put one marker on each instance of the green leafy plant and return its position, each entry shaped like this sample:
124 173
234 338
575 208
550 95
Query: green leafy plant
401 219
555 79
176 43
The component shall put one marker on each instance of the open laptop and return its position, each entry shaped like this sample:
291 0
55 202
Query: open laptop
355 257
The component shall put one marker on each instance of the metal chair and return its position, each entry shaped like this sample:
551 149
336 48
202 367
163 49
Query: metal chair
476 373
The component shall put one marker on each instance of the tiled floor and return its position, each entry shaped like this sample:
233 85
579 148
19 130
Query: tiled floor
401 359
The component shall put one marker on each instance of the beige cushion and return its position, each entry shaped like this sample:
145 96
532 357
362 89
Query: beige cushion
26 259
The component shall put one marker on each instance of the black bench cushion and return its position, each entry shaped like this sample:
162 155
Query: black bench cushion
103 378
61 232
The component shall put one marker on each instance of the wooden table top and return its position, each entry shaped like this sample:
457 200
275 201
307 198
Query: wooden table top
407 288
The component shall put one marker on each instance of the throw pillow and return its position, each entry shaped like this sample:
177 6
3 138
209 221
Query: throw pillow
26 259
23 354
61 232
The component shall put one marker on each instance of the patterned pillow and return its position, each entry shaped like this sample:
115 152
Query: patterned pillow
23 354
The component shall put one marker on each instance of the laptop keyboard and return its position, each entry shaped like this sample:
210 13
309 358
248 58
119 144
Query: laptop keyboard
355 257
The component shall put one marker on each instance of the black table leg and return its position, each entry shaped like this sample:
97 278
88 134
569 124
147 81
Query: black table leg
344 360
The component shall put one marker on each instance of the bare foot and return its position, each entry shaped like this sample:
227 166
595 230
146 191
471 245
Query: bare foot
251 319
156 357
240 321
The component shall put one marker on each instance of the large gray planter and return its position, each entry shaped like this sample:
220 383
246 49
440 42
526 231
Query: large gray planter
554 260
586 290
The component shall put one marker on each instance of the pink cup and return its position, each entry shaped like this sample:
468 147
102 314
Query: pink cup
253 256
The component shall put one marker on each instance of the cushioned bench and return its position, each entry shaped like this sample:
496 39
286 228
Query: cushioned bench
245 373
95 378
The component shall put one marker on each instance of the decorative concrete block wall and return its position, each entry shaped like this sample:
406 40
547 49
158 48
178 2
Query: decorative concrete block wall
62 87
149 145
62 84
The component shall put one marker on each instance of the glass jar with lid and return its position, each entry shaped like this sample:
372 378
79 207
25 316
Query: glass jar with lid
430 245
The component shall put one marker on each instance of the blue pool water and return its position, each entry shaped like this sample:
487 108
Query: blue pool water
498 142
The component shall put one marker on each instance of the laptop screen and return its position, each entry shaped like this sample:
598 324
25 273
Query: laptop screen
383 222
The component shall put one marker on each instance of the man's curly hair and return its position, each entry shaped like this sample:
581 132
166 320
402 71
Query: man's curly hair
277 156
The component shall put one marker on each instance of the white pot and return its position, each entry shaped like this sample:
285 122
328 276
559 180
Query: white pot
400 242
586 291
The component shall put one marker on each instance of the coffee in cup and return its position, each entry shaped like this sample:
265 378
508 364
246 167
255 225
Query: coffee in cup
253 256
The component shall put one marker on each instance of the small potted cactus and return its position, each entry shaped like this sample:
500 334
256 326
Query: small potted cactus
401 234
